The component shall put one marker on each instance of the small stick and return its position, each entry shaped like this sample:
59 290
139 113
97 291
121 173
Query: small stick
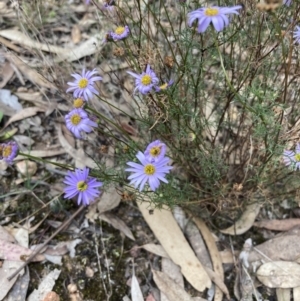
36 251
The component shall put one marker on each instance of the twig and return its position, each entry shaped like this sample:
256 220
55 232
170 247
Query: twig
36 251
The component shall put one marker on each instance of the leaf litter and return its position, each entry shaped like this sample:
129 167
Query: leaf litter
206 252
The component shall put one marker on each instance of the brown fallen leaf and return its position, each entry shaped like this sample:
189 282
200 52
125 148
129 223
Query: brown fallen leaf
10 45
171 289
278 225
110 199
35 77
19 290
37 99
215 258
84 160
14 252
167 231
219 283
25 113
173 271
26 168
285 246
87 48
23 39
9 267
7 73
279 274
5 235
76 34
227 256
117 223
155 249
6 270
42 153
245 222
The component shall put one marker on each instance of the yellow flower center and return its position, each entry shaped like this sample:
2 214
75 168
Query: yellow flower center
78 103
82 186
149 169
6 152
155 151
297 157
75 119
211 12
164 86
146 80
83 83
119 30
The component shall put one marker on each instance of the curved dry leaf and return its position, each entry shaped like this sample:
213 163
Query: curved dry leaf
285 247
42 153
8 268
155 249
35 77
5 235
89 47
84 161
215 258
7 73
279 274
171 289
117 224
14 252
219 283
110 199
37 99
172 270
76 34
167 231
136 293
278 225
228 257
19 290
25 113
23 39
10 45
245 222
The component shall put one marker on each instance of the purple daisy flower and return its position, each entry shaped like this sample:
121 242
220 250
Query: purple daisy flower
84 84
146 81
287 2
291 158
155 151
87 2
214 14
79 183
8 151
164 86
121 32
151 172
77 121
109 6
296 35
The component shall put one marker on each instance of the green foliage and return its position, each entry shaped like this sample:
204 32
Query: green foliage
230 112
